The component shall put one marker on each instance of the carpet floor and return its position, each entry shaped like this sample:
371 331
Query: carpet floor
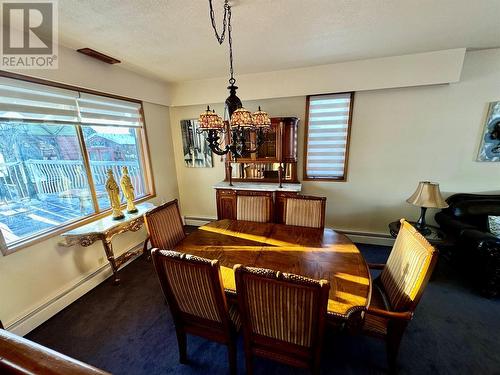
128 329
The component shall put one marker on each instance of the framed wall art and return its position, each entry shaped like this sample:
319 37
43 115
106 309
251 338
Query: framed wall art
489 150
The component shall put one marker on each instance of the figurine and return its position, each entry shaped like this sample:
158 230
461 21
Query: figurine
128 191
114 196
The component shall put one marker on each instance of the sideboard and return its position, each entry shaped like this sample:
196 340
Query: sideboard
227 197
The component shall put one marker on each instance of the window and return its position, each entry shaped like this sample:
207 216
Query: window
56 145
327 136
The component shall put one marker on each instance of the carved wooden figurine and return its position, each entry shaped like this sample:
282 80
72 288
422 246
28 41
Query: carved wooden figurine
128 190
114 196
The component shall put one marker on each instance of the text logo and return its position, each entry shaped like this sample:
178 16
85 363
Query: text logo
29 35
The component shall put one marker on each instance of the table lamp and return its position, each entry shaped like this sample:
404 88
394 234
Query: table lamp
426 196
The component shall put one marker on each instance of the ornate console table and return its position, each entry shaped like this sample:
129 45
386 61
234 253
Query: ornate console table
104 230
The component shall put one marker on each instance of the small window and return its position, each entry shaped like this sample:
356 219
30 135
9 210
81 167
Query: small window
327 136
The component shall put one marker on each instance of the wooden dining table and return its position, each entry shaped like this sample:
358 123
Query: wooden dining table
311 252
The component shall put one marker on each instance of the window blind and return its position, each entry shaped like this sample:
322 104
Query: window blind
101 110
21 100
327 135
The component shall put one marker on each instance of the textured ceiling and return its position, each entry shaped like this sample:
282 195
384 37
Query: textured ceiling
173 39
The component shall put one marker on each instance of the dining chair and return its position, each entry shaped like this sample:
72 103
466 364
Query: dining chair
305 211
283 316
254 206
398 289
193 289
164 226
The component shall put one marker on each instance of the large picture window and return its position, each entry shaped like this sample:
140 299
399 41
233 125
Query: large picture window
327 132
55 148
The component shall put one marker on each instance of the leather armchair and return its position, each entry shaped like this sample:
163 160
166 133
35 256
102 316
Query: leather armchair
466 222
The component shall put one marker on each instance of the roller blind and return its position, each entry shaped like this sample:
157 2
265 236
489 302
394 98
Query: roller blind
100 110
327 136
21 100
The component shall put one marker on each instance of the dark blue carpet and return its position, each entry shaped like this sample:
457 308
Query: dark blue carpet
128 330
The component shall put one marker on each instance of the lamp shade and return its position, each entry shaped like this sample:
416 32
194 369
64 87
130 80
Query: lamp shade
261 119
210 120
427 195
242 118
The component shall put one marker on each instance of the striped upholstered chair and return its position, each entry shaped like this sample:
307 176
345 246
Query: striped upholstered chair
283 316
398 289
254 206
193 289
305 211
164 226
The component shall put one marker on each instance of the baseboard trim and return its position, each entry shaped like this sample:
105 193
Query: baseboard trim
369 238
48 309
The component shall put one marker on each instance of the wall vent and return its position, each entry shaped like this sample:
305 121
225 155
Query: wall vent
98 55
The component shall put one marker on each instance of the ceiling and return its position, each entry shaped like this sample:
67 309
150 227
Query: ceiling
173 39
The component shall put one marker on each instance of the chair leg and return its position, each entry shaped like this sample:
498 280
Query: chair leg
393 341
249 362
182 343
316 368
147 254
231 351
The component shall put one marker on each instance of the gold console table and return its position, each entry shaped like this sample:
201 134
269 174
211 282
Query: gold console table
104 230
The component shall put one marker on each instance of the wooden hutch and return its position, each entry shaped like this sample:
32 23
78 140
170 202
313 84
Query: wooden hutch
272 170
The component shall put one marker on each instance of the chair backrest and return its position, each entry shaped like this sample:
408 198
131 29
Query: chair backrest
408 268
305 211
164 225
254 206
280 310
193 288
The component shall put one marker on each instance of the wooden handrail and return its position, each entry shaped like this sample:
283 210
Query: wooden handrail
21 356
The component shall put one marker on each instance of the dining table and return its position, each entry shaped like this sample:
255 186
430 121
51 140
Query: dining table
317 253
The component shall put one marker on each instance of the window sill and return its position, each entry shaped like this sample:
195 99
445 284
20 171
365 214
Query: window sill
43 236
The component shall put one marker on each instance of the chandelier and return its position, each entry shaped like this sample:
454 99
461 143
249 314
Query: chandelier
239 122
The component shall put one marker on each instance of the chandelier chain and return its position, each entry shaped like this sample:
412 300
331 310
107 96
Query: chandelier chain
226 25
229 29
220 38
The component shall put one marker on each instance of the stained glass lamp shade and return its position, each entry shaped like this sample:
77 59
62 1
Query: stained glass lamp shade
261 119
210 120
242 118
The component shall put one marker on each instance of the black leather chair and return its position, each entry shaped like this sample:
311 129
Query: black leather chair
466 222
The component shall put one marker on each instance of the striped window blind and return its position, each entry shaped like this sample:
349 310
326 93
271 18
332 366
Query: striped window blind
327 137
21 100
100 110
29 101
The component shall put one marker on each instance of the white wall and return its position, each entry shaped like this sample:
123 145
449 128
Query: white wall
39 280
418 69
86 72
399 137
